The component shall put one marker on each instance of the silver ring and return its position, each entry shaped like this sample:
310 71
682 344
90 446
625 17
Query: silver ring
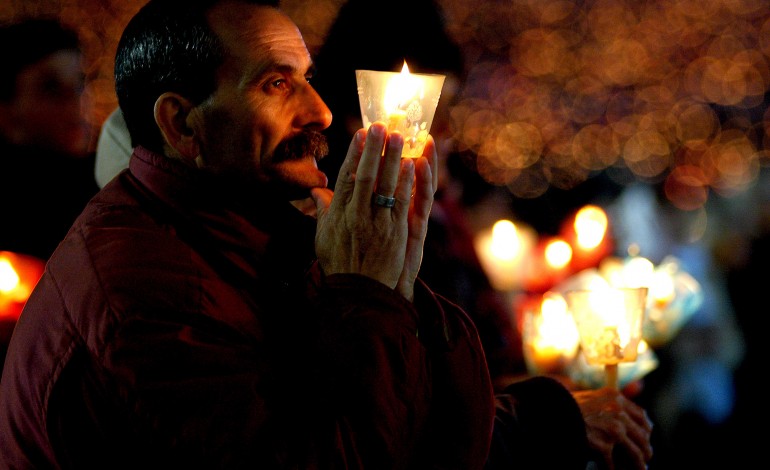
384 201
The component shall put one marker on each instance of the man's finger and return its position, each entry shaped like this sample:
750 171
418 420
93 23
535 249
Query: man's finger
369 165
391 166
323 200
430 153
346 178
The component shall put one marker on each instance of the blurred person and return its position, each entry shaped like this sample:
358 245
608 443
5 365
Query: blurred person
47 169
692 393
194 318
46 172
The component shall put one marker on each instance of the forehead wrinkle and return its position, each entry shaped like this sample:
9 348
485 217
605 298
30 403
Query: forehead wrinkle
276 45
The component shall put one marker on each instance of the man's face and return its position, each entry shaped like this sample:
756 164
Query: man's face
263 122
46 109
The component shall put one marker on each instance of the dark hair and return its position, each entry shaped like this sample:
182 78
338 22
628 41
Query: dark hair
168 46
28 41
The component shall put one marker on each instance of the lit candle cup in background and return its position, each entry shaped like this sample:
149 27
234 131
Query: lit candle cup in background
18 275
609 322
503 251
405 101
549 336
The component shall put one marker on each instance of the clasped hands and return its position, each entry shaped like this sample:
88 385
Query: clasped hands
356 235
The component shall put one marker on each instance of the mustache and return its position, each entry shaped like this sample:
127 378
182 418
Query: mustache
306 143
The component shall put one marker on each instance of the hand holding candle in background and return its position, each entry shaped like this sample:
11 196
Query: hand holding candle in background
610 324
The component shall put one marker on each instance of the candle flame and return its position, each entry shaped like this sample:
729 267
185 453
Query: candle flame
505 244
558 254
662 288
609 321
638 272
12 289
557 329
9 278
590 226
402 90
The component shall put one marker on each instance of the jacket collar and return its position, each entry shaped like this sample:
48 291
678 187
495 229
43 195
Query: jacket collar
247 220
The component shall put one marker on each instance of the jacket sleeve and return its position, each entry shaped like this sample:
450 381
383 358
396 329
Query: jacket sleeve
538 425
409 384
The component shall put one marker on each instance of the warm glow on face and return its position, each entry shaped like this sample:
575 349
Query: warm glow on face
590 226
558 254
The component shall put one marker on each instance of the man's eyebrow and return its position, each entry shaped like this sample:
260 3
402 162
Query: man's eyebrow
282 68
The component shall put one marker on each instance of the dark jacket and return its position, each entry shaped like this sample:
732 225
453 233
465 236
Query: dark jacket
182 324
42 193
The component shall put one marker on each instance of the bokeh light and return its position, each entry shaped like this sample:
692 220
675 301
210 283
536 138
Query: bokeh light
673 91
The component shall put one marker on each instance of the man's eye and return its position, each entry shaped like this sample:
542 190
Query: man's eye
280 83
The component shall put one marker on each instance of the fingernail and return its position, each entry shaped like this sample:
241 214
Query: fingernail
375 130
396 138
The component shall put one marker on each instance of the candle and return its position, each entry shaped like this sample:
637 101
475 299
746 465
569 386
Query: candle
588 233
405 101
550 337
18 276
503 251
609 322
403 93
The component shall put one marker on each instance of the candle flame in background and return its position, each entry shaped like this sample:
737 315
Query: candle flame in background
18 276
608 305
503 250
609 322
673 295
590 226
662 290
558 253
9 279
550 337
505 244
557 328
12 289
637 272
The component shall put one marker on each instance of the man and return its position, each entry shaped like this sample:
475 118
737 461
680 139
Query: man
193 318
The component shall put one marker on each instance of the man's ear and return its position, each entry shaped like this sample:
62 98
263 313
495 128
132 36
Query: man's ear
171 113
